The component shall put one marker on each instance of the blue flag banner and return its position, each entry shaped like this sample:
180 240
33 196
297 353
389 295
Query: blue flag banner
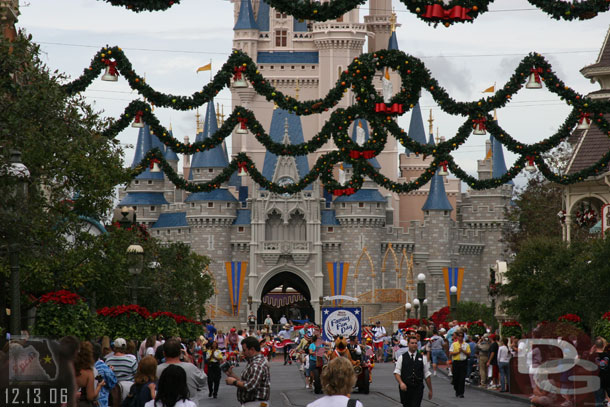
236 274
341 321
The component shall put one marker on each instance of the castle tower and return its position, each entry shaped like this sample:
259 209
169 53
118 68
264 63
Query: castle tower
246 29
172 158
378 24
146 192
207 164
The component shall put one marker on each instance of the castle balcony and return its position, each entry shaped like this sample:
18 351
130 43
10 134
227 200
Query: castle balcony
328 26
298 251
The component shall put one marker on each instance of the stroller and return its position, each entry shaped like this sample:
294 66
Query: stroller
475 376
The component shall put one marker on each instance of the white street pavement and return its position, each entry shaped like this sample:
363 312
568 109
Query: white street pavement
288 390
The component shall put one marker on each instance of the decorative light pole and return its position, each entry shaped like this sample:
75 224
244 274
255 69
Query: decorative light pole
135 258
421 294
416 305
453 298
21 174
408 307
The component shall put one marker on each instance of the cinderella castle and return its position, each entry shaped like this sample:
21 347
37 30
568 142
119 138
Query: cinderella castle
283 254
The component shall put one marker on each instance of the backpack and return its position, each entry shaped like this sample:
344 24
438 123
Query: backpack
352 402
132 398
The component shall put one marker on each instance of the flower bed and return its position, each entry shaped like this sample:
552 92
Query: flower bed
476 328
125 321
62 313
602 327
512 328
440 317
412 321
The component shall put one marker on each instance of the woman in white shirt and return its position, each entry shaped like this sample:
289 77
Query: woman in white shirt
503 364
338 380
172 390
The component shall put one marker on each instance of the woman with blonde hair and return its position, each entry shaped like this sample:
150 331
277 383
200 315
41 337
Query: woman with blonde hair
338 380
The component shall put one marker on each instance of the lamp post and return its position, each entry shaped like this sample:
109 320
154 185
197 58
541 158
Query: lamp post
135 258
408 307
416 305
453 298
20 173
421 294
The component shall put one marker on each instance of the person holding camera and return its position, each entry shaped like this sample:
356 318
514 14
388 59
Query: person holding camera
175 355
253 388
213 358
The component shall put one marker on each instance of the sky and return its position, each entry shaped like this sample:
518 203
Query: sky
167 47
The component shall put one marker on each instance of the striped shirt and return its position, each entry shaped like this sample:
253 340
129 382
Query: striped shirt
124 367
256 379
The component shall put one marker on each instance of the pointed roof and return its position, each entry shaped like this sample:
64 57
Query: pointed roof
144 198
216 157
169 154
245 20
262 18
498 164
431 141
603 58
437 197
416 127
373 161
393 43
143 146
363 195
295 136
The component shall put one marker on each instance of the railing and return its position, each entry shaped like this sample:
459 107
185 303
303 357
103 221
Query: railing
285 247
339 26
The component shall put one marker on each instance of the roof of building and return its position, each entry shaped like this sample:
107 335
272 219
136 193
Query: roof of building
143 146
373 161
603 58
363 195
437 197
262 18
214 195
288 57
588 147
171 220
217 156
393 43
498 164
169 154
245 19
244 217
295 136
328 217
144 198
431 140
416 127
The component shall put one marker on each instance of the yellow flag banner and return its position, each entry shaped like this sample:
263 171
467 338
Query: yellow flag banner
207 67
491 89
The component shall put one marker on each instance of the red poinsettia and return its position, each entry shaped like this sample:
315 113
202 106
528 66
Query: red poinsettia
61 297
440 317
511 323
606 316
119 310
573 318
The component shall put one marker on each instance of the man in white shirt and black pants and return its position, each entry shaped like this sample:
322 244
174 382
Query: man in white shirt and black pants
411 371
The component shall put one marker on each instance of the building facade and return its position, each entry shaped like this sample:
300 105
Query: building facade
288 241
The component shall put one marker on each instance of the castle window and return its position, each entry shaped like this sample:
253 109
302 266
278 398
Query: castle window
378 205
343 204
302 66
292 67
210 169
169 231
228 204
152 208
192 204
261 67
313 67
137 182
271 67
446 213
158 232
210 204
331 229
360 204
149 182
197 170
240 229
281 38
282 67
280 15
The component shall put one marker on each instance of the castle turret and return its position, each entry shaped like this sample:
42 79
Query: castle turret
416 127
207 164
246 30
378 23
437 197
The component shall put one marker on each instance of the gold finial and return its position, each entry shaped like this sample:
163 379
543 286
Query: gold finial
296 91
431 122
495 115
438 136
170 126
393 20
198 122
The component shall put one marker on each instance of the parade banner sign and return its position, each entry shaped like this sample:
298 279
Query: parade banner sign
341 321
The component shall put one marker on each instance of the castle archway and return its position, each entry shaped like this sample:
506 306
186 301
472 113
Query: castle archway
285 291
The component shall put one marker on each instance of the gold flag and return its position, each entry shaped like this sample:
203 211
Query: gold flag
491 89
207 67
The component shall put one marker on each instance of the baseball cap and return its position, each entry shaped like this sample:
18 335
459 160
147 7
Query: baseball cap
403 342
442 330
120 343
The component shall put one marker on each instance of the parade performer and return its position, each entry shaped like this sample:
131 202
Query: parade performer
411 371
214 359
460 351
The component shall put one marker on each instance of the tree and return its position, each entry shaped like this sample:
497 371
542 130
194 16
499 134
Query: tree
74 170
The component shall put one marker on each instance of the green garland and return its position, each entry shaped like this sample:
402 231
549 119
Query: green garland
457 11
358 77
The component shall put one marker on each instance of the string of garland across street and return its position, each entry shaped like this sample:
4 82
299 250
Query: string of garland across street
380 111
445 12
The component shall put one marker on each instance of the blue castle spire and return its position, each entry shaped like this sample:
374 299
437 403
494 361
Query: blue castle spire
144 144
393 43
431 140
216 157
416 127
498 164
373 161
245 19
262 18
169 154
295 136
437 197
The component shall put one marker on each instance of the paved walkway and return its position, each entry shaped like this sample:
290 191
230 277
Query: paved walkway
288 390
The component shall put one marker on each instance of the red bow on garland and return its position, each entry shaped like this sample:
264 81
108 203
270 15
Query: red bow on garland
583 117
111 67
345 191
437 11
242 166
367 154
480 123
242 121
444 164
396 108
537 72
530 160
238 71
152 163
138 118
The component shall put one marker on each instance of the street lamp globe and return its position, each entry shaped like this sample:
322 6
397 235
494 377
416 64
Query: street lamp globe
408 306
135 256
416 302
421 277
425 301
453 289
